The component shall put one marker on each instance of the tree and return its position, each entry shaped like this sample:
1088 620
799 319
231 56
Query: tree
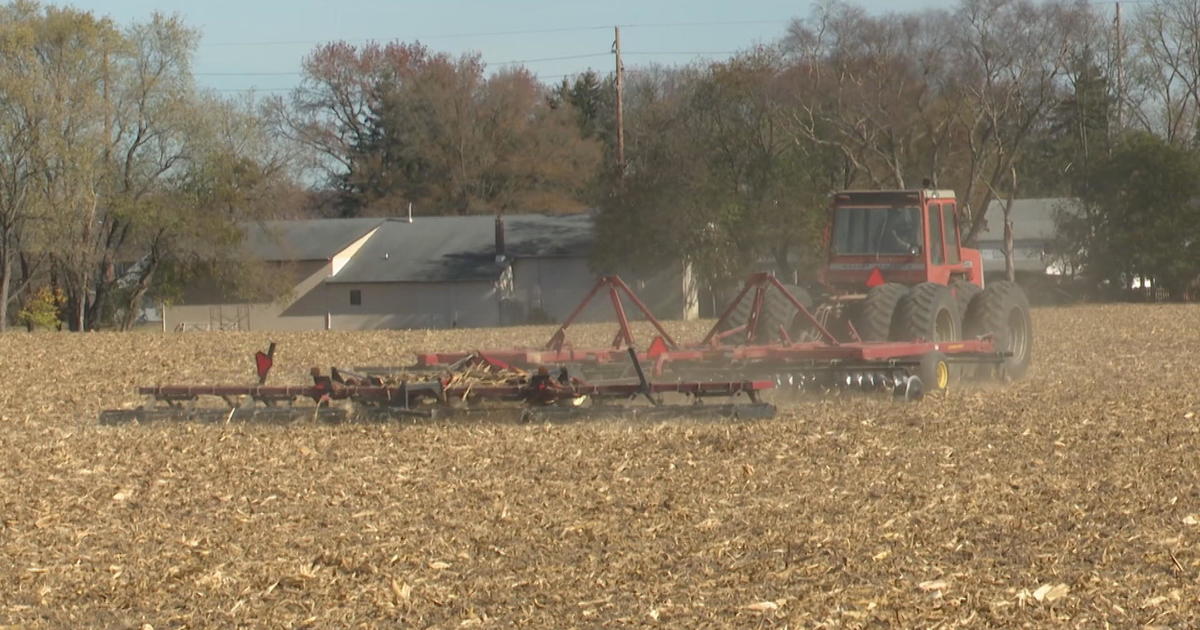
714 178
395 124
1140 215
1075 133
104 140
1011 56
1166 55
20 179
872 91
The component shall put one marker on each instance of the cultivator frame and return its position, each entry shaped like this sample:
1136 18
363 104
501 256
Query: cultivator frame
827 363
712 368
343 395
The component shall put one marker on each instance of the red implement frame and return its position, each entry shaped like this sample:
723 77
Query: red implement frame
826 351
624 336
761 283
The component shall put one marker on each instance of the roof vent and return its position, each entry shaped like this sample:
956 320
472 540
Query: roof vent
386 255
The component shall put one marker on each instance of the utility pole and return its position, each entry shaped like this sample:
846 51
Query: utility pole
1120 65
620 98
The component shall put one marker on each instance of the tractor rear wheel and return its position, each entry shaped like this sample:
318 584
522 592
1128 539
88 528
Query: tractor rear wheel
964 292
875 315
929 312
1002 311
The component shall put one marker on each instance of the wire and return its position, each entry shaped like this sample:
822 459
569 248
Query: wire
568 29
499 63
680 52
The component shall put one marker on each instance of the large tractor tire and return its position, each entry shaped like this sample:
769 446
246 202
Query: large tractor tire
784 312
740 313
964 292
875 315
929 312
1002 311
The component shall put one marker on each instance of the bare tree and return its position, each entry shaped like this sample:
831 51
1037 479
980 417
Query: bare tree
1011 56
1166 65
873 90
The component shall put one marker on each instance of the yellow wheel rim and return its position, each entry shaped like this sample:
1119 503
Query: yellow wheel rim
942 374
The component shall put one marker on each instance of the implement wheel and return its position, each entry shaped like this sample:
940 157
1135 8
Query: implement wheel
875 316
1002 311
934 371
929 312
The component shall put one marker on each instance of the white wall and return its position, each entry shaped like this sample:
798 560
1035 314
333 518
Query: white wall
205 307
409 305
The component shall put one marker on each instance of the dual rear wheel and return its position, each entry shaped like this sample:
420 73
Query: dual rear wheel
941 313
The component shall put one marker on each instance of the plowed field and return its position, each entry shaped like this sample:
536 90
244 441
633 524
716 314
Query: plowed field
1069 499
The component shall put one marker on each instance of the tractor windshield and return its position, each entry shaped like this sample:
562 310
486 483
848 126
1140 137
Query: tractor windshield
872 231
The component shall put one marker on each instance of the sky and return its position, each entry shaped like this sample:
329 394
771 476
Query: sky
259 44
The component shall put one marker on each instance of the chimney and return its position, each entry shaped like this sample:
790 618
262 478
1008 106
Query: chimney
501 251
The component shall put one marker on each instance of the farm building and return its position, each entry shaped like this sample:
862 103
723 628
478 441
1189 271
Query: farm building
430 272
1034 233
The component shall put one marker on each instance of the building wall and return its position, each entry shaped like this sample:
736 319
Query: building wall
1027 256
408 305
553 287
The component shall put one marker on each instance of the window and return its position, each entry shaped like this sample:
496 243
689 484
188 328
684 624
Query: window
950 223
872 231
355 297
936 254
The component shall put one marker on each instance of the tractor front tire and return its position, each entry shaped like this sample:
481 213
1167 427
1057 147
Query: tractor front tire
1002 311
779 311
929 312
876 314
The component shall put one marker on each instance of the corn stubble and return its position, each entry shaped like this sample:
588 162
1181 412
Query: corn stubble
1068 499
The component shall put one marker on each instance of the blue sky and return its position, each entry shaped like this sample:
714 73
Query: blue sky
244 44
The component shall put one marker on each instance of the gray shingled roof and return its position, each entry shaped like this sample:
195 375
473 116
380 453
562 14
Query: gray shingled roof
461 249
308 239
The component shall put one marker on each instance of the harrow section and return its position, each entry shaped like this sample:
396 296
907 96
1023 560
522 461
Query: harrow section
476 386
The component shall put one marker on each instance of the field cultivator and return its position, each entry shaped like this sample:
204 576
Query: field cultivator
765 333
474 386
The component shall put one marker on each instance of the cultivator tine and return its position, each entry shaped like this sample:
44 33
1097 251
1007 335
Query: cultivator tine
266 415
728 411
641 375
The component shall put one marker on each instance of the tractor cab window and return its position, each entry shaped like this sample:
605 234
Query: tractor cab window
872 231
950 226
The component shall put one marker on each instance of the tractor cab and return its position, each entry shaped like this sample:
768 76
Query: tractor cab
902 236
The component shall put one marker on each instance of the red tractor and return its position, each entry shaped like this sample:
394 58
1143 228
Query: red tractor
896 271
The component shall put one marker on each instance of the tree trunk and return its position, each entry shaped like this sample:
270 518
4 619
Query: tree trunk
5 279
1010 271
133 306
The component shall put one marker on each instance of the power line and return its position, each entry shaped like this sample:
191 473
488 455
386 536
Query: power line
498 63
683 52
569 29
542 77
